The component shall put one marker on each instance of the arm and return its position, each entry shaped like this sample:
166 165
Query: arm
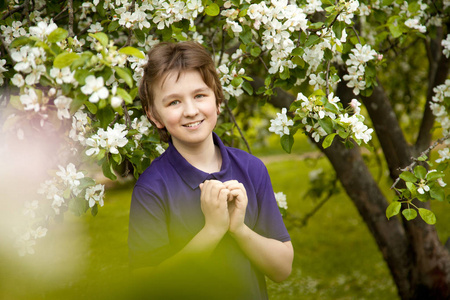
214 207
272 257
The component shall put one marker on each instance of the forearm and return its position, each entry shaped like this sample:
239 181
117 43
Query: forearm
199 247
270 256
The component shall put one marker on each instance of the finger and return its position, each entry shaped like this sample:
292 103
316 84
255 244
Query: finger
230 182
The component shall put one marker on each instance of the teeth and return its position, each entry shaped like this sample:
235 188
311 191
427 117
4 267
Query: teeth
193 124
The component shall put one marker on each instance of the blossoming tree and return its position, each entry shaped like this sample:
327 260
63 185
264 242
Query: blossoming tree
70 70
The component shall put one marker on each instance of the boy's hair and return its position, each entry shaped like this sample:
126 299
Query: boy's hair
179 57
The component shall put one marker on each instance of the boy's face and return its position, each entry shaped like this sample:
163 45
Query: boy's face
186 107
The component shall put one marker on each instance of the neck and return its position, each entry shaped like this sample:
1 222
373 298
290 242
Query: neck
205 156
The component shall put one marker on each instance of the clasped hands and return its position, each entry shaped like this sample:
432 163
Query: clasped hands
224 205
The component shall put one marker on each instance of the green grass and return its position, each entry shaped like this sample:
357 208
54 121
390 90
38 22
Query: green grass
335 255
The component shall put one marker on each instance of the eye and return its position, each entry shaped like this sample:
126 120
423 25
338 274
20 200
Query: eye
199 96
174 102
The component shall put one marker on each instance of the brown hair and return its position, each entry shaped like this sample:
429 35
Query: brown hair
183 56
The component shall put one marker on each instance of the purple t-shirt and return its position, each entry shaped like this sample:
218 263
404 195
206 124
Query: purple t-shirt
165 212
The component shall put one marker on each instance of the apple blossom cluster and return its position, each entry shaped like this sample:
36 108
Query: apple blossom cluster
80 127
230 88
26 240
279 21
346 10
109 140
356 67
30 63
317 111
414 19
281 124
440 106
131 15
67 186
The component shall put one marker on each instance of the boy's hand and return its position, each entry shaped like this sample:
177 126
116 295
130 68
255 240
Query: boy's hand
213 199
237 204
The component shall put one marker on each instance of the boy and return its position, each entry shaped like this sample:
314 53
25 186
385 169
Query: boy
202 215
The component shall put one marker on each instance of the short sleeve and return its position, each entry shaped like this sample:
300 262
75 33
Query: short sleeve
148 238
270 222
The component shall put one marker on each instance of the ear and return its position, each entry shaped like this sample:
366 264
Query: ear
155 120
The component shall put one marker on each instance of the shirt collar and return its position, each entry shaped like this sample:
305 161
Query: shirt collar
193 176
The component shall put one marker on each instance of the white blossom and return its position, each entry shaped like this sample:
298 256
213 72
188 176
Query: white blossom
62 103
95 87
281 200
42 30
69 175
95 194
63 75
281 124
30 100
444 155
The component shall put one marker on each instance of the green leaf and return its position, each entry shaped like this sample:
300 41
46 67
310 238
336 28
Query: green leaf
420 172
58 35
409 214
212 10
256 51
326 124
125 74
94 210
78 206
140 35
20 41
113 26
16 103
124 95
432 176
246 35
101 37
328 140
393 209
91 107
132 51
422 158
312 39
108 171
438 193
248 88
65 59
286 142
411 186
428 216
408 176
237 81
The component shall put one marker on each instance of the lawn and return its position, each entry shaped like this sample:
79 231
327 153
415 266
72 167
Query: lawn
335 256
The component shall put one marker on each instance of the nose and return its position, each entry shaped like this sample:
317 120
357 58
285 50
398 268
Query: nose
190 108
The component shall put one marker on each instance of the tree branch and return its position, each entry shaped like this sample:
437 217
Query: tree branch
438 71
237 126
395 148
415 160
70 5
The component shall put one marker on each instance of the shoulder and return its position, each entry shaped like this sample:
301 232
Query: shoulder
248 165
244 158
156 174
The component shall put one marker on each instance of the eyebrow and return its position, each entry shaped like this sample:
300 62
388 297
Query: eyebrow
196 91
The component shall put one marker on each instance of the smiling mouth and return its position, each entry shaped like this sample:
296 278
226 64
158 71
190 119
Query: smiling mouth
193 124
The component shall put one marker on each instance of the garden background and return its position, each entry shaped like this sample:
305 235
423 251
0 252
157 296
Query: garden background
335 255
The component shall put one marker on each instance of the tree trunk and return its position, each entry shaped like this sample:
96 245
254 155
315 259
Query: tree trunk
419 263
